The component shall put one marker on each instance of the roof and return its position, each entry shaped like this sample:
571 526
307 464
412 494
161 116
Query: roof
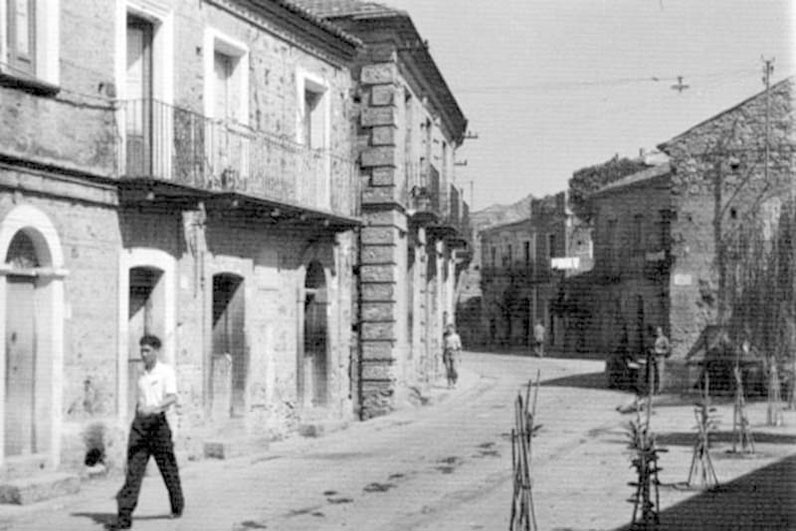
505 226
664 146
361 13
345 8
636 178
297 8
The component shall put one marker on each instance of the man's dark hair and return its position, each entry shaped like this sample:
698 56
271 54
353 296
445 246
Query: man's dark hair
150 340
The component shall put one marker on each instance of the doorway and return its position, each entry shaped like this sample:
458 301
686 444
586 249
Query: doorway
229 363
146 309
21 430
313 371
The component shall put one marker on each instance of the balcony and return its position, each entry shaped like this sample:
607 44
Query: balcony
422 203
454 225
199 156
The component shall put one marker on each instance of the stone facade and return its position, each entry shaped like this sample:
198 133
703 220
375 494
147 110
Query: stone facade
409 127
507 260
230 236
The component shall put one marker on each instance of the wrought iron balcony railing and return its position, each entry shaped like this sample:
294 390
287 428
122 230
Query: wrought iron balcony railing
165 142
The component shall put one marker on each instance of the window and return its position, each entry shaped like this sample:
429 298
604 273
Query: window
312 125
509 255
139 91
312 131
611 244
664 223
223 68
29 47
226 78
228 145
551 245
527 251
638 233
22 35
494 256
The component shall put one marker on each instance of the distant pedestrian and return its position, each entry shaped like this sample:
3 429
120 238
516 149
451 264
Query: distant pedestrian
150 435
538 339
452 348
661 349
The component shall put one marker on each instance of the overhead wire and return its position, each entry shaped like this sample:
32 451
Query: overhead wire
554 86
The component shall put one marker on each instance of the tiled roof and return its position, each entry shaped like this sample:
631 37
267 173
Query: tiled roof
345 8
303 9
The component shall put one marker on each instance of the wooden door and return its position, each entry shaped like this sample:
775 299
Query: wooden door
145 316
315 345
229 346
20 436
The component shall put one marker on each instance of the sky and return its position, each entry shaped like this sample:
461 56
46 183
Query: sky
552 86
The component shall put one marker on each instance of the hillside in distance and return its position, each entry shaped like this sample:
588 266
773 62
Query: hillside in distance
500 214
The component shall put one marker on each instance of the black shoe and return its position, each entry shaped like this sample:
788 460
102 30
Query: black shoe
118 525
176 515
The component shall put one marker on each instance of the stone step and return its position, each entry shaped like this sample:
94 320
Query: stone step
40 487
230 448
319 428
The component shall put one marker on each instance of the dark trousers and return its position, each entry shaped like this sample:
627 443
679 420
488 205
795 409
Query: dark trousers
149 435
449 358
538 348
653 374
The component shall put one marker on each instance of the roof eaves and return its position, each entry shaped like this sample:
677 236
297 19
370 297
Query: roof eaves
635 178
321 22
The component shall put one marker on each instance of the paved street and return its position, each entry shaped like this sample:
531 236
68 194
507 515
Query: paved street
447 466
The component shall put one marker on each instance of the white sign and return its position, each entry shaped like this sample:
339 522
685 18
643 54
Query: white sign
567 263
682 280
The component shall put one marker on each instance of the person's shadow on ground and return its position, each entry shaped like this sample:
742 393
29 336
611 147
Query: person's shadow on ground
106 519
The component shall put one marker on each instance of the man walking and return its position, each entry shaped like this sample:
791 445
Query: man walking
452 347
150 435
660 350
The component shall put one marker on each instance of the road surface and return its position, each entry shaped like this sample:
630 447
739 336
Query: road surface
447 466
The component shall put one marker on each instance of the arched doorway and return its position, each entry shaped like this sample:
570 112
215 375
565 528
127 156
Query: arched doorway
229 346
21 428
31 324
313 370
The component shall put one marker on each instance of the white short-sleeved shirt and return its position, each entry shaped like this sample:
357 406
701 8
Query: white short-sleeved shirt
453 342
154 385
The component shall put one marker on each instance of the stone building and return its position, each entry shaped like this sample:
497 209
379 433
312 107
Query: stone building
702 241
507 257
523 265
409 128
625 291
185 170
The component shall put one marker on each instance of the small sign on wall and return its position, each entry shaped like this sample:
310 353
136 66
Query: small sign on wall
681 279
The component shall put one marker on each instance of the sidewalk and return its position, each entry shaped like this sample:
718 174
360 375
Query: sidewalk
99 493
